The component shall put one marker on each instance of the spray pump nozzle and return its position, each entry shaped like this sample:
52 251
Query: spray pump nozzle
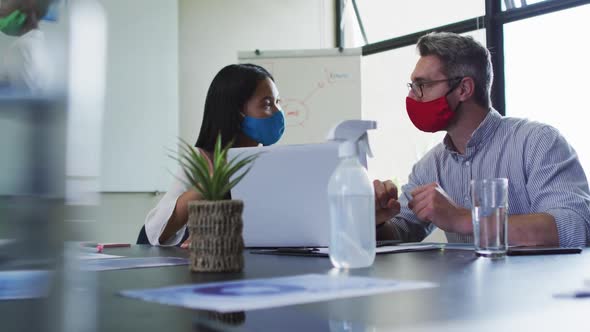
354 138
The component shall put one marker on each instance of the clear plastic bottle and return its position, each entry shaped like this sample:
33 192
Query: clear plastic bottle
352 211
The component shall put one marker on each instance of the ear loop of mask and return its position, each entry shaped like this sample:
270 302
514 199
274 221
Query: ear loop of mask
453 88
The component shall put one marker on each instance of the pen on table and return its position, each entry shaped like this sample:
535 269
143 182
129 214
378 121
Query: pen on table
101 246
296 250
95 249
114 245
106 245
287 250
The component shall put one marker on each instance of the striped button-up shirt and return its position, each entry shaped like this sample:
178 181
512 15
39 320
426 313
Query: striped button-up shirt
543 171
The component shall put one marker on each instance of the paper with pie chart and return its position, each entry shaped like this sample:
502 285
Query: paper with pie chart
243 295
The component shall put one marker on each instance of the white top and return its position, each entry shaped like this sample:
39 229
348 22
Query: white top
27 62
157 219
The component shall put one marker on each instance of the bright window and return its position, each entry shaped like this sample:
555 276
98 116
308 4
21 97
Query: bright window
386 19
547 73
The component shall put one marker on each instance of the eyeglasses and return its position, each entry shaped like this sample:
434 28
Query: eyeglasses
417 87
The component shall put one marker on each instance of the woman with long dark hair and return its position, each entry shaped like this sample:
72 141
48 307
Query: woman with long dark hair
242 105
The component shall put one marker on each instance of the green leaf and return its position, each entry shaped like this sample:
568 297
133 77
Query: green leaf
217 155
232 167
217 163
237 165
212 184
196 169
235 181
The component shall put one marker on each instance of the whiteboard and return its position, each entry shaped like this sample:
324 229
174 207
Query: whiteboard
318 89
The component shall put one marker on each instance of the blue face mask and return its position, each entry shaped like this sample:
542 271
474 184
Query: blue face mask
267 131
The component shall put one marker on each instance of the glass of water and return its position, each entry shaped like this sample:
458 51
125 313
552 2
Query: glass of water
490 216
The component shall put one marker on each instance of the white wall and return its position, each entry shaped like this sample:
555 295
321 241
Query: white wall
140 118
118 218
142 95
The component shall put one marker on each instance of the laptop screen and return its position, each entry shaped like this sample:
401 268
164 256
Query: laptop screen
285 195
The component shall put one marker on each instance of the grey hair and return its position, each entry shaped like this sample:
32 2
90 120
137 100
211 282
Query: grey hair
461 56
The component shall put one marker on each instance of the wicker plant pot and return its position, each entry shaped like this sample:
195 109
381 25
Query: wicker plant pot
216 236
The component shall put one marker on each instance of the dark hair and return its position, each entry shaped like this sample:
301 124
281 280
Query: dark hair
43 7
461 56
228 93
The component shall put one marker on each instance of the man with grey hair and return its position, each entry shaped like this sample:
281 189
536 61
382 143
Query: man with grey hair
548 191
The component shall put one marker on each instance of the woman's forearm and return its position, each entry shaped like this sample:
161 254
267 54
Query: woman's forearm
179 216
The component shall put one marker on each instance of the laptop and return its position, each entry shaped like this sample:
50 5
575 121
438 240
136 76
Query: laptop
285 195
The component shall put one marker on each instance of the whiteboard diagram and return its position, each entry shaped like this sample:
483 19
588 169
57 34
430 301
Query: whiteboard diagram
318 89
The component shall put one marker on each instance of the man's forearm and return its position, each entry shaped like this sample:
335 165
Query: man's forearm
532 230
535 229
391 231
387 231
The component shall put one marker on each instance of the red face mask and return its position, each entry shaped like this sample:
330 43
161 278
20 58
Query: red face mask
430 116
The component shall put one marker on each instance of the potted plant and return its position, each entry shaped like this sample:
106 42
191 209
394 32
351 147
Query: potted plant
215 222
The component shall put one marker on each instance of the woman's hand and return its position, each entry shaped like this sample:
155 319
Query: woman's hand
186 244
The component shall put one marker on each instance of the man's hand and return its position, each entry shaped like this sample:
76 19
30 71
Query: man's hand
431 203
386 204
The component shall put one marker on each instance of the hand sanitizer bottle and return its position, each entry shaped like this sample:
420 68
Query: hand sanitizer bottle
352 200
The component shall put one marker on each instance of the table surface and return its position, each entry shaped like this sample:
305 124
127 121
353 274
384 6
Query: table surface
473 294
